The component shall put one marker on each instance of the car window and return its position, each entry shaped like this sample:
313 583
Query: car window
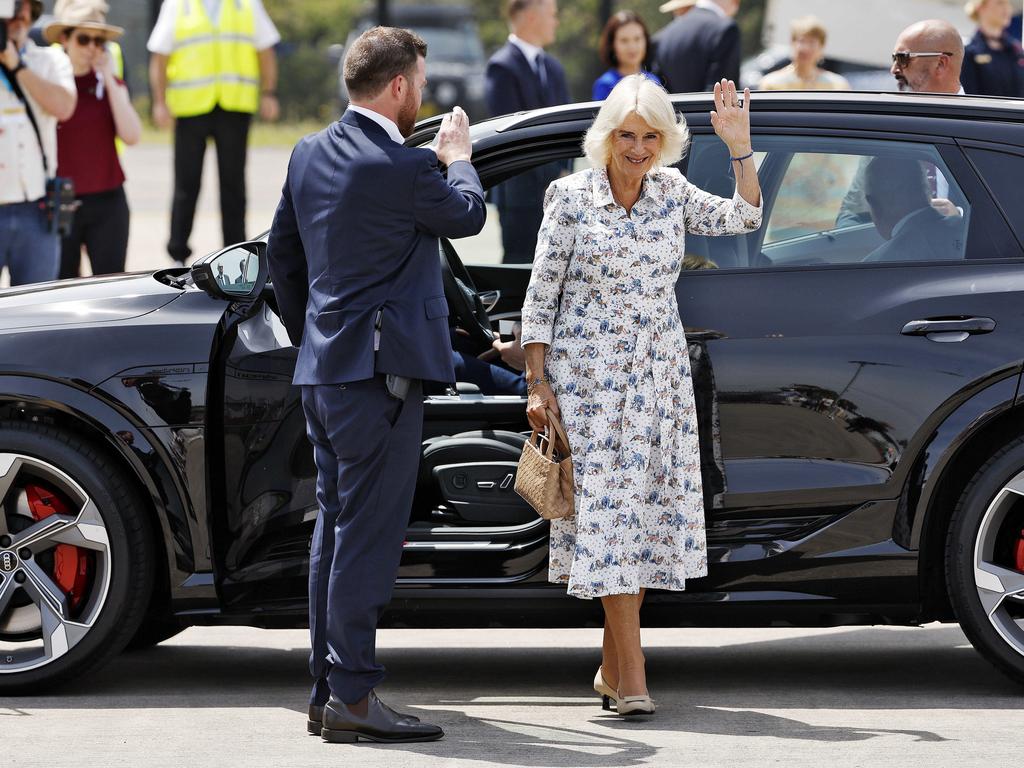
837 201
515 208
1003 173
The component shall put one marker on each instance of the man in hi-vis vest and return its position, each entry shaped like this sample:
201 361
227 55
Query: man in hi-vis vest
212 67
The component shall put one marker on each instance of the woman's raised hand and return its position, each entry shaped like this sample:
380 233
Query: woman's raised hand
730 120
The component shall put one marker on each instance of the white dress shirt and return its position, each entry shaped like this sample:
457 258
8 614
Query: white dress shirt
386 123
530 51
161 39
22 178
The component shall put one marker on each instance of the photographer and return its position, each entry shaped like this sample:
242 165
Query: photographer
36 84
86 144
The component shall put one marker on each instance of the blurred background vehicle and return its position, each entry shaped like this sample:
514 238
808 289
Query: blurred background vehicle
455 55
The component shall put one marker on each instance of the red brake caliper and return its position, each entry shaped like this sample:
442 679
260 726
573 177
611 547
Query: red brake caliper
1018 553
70 564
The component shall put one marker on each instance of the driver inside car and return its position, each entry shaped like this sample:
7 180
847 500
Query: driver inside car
480 370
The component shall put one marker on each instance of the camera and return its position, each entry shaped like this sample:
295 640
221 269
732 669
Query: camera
11 8
8 9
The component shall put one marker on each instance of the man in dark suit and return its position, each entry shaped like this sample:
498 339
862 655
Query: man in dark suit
354 261
700 47
521 76
896 190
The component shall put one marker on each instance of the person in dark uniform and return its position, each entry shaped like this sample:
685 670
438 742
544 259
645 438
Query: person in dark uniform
698 48
520 76
993 60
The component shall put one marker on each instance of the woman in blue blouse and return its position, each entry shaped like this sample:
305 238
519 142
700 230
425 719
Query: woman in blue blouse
625 44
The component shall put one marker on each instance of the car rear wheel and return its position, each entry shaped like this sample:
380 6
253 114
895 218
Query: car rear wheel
75 558
985 560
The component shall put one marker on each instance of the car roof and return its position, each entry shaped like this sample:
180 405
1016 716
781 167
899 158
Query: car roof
870 103
862 102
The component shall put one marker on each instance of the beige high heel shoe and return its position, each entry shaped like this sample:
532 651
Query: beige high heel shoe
607 692
634 705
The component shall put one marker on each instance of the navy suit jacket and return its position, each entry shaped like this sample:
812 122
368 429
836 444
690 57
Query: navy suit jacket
356 235
512 85
696 50
926 235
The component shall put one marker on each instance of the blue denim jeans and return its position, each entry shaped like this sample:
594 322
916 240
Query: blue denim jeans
29 250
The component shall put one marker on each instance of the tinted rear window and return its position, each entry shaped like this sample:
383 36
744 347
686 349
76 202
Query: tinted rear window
1004 174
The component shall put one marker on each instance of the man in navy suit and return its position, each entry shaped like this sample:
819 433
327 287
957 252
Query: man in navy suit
521 76
355 266
699 48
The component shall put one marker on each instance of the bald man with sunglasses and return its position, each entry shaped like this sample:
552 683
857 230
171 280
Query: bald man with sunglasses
927 58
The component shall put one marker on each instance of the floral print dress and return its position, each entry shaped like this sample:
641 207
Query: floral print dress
602 296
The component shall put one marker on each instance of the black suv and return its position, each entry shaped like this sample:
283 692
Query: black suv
861 415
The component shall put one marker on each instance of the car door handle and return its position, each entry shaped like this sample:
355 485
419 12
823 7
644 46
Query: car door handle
949 325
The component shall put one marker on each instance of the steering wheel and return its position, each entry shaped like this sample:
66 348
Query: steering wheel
463 299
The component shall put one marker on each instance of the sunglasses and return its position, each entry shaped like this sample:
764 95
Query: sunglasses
83 40
902 58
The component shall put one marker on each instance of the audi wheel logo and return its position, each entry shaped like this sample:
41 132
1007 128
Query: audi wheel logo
7 561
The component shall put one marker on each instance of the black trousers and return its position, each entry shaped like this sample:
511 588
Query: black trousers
101 225
230 133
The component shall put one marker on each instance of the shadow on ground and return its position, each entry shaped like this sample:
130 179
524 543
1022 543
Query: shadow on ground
479 694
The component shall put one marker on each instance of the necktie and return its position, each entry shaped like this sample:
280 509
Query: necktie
542 73
931 179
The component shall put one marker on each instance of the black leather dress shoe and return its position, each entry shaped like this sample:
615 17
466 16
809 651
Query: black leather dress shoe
315 719
381 724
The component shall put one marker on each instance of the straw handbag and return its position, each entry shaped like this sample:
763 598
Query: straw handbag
544 477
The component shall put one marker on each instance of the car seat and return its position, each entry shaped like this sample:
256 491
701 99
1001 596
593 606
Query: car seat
469 478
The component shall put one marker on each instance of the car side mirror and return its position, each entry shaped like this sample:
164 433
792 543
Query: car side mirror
237 273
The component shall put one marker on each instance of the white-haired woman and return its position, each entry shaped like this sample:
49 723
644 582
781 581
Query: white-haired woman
605 350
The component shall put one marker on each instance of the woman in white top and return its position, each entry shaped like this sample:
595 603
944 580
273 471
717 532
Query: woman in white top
804 74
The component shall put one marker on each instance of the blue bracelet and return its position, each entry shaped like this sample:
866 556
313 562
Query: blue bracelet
740 161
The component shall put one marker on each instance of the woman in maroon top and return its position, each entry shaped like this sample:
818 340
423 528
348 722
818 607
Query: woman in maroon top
86 149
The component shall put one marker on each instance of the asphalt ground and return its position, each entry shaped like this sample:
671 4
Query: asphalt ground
149 172
726 697
149 187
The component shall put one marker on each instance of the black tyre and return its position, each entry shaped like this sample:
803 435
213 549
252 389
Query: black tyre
76 558
985 560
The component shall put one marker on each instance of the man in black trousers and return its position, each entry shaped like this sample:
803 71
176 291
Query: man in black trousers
353 254
521 76
700 47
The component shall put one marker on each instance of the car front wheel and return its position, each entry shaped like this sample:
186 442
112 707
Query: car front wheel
985 560
75 558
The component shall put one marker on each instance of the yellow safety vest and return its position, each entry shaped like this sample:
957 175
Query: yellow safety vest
210 65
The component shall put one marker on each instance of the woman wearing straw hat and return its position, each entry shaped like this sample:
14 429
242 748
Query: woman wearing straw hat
86 147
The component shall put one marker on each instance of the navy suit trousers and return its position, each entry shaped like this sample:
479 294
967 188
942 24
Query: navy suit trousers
366 445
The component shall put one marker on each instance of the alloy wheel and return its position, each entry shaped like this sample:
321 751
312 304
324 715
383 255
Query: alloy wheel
55 563
998 564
